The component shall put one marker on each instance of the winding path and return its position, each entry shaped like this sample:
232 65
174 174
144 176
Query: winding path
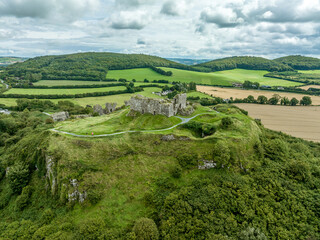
183 120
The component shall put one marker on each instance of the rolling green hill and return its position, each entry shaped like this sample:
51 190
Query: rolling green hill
221 78
250 63
300 62
83 66
265 185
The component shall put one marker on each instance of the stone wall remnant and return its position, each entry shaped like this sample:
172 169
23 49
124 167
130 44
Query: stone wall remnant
165 107
60 116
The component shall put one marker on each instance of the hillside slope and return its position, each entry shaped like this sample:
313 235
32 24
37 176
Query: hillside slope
89 66
244 62
300 62
5 61
150 186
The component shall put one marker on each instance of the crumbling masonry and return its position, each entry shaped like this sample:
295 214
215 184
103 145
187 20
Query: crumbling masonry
165 107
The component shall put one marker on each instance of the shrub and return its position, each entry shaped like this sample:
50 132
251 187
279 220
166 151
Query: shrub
187 160
49 121
145 229
47 216
176 172
18 177
23 200
221 154
92 229
226 122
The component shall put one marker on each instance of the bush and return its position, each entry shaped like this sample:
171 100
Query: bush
176 172
18 177
221 154
23 200
47 216
226 122
145 229
49 121
92 229
187 160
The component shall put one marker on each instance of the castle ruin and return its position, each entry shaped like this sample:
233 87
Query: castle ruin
165 107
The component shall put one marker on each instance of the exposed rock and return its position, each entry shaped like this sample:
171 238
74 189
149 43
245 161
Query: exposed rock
168 138
184 138
166 107
50 174
60 116
75 194
81 116
205 164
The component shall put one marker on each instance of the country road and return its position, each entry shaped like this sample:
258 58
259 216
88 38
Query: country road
183 120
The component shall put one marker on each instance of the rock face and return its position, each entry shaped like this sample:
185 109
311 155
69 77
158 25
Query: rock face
204 164
110 108
60 116
168 108
50 175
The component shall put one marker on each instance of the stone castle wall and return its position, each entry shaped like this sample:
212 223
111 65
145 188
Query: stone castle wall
168 108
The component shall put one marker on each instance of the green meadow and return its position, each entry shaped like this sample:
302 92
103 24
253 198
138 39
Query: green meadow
222 78
51 83
62 91
119 99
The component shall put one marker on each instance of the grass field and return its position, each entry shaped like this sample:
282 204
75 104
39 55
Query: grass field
225 78
310 72
302 122
118 122
62 91
51 83
119 99
238 93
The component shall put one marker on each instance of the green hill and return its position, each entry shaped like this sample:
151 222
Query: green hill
84 66
300 62
250 63
154 185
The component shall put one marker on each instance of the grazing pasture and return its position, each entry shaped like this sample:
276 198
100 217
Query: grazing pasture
310 86
239 93
51 83
221 78
298 121
62 91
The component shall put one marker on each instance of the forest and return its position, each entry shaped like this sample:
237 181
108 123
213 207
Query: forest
250 63
300 62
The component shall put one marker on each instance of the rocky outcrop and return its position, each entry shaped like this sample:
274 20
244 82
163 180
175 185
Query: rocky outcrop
60 116
165 107
51 175
74 194
205 164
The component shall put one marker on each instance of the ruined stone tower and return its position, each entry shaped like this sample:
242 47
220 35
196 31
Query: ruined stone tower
165 107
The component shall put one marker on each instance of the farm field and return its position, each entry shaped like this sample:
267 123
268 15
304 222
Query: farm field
52 83
62 91
298 121
223 78
310 86
310 71
237 93
119 99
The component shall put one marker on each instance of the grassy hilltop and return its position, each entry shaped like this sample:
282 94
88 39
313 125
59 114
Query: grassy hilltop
146 186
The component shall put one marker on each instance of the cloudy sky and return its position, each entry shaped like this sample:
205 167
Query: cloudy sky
207 29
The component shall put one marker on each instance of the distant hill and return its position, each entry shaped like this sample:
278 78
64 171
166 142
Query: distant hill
188 61
5 61
251 63
300 62
88 66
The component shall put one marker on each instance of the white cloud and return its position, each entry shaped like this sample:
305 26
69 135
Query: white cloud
174 7
130 20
